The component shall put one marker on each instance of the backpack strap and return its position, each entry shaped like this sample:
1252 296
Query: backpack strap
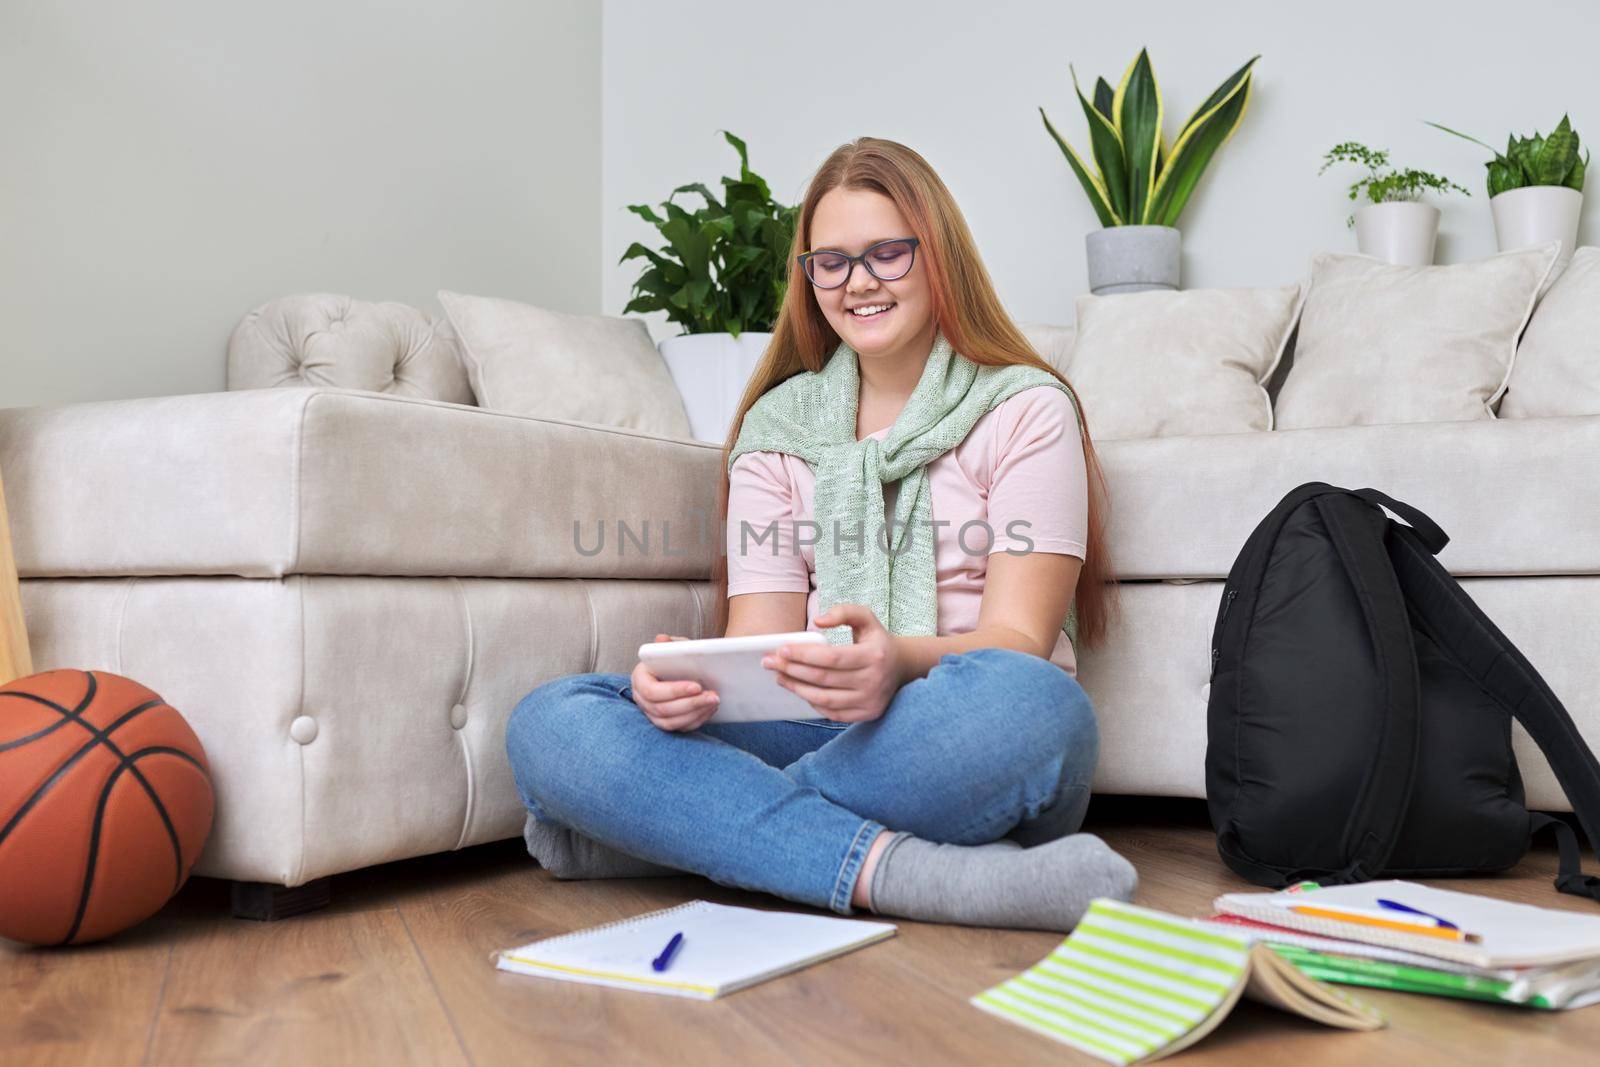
1478 647
1428 531
1569 878
1375 821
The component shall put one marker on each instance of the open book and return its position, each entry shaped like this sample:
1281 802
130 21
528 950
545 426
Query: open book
1131 985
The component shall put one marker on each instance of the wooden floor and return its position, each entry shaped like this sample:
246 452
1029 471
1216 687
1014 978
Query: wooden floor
399 970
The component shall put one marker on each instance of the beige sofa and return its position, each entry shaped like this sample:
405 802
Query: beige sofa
347 590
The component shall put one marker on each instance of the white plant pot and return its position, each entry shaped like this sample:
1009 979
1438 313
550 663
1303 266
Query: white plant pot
710 371
1401 233
1537 215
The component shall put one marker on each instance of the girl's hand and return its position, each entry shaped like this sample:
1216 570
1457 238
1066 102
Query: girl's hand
845 683
672 705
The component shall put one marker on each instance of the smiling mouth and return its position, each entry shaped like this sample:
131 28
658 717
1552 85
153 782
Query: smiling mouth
875 315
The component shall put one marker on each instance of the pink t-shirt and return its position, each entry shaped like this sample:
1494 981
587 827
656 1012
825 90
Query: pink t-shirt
1019 474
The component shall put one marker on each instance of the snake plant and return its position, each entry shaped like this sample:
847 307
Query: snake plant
1536 160
1138 179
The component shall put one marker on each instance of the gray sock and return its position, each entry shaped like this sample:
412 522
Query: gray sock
565 853
1047 887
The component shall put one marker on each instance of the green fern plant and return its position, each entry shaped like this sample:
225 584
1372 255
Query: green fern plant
1138 179
1383 183
1536 160
724 267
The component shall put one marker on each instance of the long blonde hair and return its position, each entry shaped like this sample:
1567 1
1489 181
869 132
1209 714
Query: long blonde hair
967 311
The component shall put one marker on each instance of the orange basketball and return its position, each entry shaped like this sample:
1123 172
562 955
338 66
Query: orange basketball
105 801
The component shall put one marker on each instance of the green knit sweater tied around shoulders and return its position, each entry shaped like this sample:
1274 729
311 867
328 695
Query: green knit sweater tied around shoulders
813 416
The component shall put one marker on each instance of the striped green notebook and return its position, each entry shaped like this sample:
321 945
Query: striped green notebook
1131 985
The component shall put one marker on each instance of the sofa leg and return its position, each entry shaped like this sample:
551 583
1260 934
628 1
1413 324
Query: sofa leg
265 902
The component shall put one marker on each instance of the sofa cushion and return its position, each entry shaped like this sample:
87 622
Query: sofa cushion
324 339
1171 364
1383 344
1557 371
269 482
1517 496
534 361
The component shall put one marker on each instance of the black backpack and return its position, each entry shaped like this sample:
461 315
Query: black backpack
1359 722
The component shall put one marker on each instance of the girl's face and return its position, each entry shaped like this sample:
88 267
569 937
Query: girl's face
848 221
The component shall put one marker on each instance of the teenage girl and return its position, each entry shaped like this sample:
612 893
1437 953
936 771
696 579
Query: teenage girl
949 764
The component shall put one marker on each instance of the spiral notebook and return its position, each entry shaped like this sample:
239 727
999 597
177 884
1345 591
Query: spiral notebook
1513 935
724 949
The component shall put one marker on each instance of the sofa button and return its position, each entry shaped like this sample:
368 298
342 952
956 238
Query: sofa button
303 730
458 716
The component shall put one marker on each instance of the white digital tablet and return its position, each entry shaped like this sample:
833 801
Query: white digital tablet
731 667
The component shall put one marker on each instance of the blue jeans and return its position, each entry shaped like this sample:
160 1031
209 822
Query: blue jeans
990 743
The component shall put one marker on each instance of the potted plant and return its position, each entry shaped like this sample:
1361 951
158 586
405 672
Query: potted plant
1394 225
1140 184
1536 188
721 276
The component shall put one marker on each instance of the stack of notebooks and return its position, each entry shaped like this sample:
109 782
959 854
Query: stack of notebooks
1130 985
1400 935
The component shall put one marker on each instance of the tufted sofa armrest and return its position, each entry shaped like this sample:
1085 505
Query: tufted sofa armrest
273 482
311 339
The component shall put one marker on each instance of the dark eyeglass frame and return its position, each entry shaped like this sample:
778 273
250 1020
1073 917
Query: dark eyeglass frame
805 266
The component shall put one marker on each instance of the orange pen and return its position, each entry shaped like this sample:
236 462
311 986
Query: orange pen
1397 925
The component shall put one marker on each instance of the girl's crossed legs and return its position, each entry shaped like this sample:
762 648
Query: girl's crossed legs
991 742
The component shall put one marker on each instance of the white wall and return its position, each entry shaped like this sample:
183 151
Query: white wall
964 91
167 165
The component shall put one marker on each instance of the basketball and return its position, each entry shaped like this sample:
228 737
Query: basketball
105 802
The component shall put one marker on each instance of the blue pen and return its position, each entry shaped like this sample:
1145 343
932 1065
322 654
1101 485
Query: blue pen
660 962
1395 905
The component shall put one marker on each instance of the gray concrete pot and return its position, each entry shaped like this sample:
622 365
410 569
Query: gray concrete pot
1133 259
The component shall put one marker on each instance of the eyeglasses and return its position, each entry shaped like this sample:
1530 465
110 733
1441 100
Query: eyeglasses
886 261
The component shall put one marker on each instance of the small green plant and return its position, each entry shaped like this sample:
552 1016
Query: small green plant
724 267
1138 178
1383 184
1536 160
